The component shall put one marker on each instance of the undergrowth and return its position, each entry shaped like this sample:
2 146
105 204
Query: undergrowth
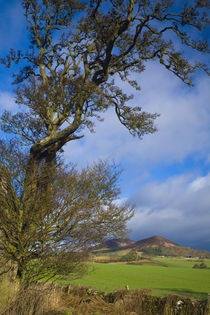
45 299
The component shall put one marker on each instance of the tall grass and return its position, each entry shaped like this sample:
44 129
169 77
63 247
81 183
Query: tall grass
8 290
37 299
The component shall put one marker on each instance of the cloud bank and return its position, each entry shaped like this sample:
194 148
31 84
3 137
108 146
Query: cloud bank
177 208
166 174
183 127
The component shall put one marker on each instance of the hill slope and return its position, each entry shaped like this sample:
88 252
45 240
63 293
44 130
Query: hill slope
119 243
154 241
156 245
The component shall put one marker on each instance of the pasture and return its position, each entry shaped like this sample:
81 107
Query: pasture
177 278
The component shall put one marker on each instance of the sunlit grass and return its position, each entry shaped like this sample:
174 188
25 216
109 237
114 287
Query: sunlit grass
178 278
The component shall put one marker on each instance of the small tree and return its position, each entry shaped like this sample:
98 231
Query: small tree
49 234
132 255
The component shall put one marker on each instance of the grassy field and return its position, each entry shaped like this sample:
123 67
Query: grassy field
178 278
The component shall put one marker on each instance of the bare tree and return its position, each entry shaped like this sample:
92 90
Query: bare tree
77 50
50 234
66 80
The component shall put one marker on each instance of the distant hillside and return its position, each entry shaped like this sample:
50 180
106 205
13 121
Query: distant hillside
156 245
119 243
154 241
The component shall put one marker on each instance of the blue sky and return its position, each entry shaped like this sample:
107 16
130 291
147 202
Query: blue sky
167 174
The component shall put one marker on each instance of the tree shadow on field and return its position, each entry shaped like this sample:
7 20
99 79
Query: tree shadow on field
185 292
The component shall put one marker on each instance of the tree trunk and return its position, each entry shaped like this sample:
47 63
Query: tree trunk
19 274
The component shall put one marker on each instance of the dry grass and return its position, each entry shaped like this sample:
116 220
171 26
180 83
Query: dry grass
36 299
41 299
8 291
84 300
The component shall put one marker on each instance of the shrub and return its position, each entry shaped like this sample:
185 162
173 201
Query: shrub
196 266
132 255
201 266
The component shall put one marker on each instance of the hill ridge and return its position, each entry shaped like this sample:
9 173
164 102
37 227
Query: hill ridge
156 245
155 241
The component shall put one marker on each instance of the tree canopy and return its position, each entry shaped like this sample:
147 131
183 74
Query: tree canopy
76 52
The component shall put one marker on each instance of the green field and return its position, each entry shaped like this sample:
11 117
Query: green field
178 278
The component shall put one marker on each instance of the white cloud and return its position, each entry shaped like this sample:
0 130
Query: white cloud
174 210
179 206
199 183
7 102
184 125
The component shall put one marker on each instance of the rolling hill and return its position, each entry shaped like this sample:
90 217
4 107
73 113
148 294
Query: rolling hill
155 245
